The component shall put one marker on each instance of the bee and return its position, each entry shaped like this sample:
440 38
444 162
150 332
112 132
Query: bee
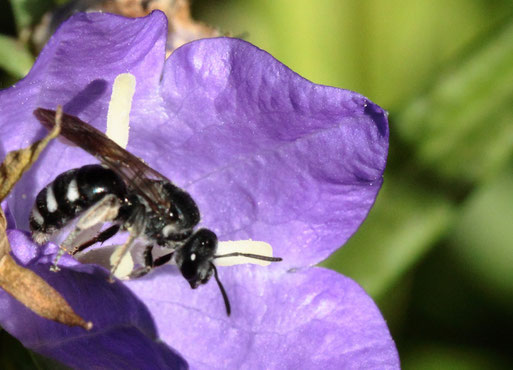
131 196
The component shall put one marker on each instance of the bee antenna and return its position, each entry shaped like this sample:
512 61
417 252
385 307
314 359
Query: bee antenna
223 292
250 255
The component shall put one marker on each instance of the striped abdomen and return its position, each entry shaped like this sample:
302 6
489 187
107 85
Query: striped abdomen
68 195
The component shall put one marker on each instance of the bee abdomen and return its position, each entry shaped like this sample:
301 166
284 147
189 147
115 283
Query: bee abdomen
70 194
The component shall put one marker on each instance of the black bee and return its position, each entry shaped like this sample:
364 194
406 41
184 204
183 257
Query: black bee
132 196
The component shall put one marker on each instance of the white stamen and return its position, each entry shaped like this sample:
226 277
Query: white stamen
72 193
51 203
118 116
243 246
193 256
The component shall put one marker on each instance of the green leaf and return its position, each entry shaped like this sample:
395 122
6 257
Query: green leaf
443 357
462 128
404 223
482 239
28 12
14 57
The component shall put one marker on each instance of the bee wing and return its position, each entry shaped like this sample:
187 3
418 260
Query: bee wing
133 170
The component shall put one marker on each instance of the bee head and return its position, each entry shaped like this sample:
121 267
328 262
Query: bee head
195 260
195 257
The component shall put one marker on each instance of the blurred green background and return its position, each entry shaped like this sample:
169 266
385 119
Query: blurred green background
436 251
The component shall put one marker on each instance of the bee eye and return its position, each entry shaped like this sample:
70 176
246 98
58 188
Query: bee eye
189 269
174 214
194 258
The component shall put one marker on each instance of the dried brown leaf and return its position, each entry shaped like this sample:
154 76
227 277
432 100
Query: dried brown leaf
5 248
182 27
17 162
21 283
35 293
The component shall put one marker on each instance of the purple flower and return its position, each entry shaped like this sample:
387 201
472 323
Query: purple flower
266 155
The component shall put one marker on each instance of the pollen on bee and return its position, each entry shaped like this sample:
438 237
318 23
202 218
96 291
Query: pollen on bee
118 116
243 246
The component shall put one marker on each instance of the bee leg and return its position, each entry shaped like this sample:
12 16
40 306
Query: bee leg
135 228
148 264
100 238
148 257
162 260
104 210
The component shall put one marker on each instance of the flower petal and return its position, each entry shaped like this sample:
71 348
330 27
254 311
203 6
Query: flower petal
313 318
267 154
123 327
